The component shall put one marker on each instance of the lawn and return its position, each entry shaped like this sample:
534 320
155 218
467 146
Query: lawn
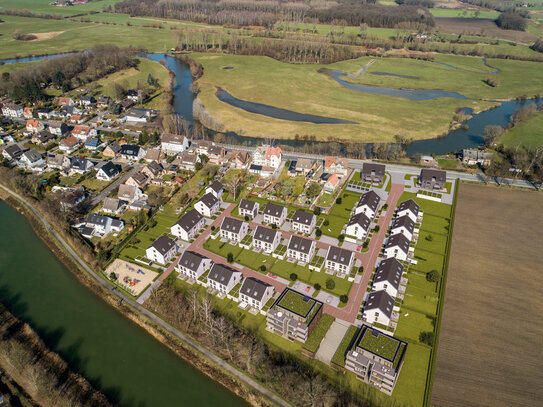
93 184
382 345
296 302
410 387
528 134
344 346
316 337
446 12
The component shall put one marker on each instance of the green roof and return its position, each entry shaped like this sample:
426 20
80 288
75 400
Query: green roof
294 302
381 345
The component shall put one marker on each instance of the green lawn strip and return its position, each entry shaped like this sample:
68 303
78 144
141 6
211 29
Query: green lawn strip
447 163
316 337
410 326
432 241
344 346
409 389
334 227
428 261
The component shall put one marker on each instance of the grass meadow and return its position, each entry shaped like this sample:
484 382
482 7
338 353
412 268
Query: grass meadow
528 134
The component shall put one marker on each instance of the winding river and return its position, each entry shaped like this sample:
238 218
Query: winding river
114 354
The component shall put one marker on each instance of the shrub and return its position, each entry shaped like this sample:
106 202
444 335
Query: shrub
230 257
263 268
432 276
293 276
318 232
361 270
317 286
317 211
330 284
376 228
365 244
344 298
246 218
429 238
426 338
212 228
338 201
274 226
113 276
385 207
341 238
326 222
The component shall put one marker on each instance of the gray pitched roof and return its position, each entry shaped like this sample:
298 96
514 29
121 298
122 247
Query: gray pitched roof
209 200
189 220
13 150
221 274
398 240
303 217
112 204
163 244
246 204
127 191
300 244
80 163
426 174
97 219
377 169
216 186
389 270
339 255
265 234
404 221
371 199
115 147
231 225
274 210
109 169
155 168
409 205
254 288
360 219
130 150
32 155
191 260
381 301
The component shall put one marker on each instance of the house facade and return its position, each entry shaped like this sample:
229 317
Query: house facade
223 278
248 208
358 226
275 214
188 225
266 239
403 225
162 251
373 173
233 229
303 222
255 293
432 179
388 276
216 189
339 260
397 246
368 204
107 172
300 249
174 143
409 208
193 265
378 308
208 205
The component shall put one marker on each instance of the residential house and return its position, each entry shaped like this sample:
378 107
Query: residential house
239 160
32 159
248 208
69 144
305 166
42 138
428 160
266 239
70 197
262 171
45 113
34 126
65 101
59 129
127 104
58 161
409 208
188 225
131 152
155 154
130 193
339 260
331 184
216 189
84 132
174 143
223 278
93 143
403 225
336 165
138 180
99 225
136 116
268 156
133 95
275 214
187 161
368 204
153 170
80 165
301 249
113 206
12 110
234 229
112 150
294 315
303 222
162 250
358 226
12 152
473 157
388 276
376 358
76 118
255 293
103 101
373 173
208 205
201 146
217 155
378 308
193 265
107 171
28 113
397 246
87 101
432 179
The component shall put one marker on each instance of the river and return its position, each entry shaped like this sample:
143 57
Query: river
115 355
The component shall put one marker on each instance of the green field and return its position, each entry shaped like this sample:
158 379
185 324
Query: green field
447 12
528 134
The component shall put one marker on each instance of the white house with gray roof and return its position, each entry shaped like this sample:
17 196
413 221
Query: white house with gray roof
162 251
409 208
301 249
397 246
339 260
107 172
234 229
358 226
223 278
255 293
193 265
368 204
248 208
208 205
266 239
99 225
303 222
216 189
275 214
129 193
403 225
388 276
188 225
31 159
378 308
80 165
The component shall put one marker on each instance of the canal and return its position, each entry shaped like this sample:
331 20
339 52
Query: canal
115 355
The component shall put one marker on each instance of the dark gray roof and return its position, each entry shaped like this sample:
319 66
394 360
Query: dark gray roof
216 186
399 240
209 200
300 244
377 169
411 205
426 174
231 225
339 255
14 150
360 219
265 234
303 217
246 204
191 260
404 221
115 147
80 163
163 244
97 219
130 150
189 220
32 155
155 167
221 274
109 169
274 210
389 270
112 204
381 301
254 288
371 199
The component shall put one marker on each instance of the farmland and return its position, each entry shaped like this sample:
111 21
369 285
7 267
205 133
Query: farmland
490 335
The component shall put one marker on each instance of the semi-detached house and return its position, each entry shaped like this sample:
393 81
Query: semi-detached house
275 214
368 204
162 250
388 276
248 208
223 278
255 293
339 260
208 205
234 229
266 239
300 249
193 265
188 225
303 222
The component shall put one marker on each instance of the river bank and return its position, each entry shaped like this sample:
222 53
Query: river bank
184 349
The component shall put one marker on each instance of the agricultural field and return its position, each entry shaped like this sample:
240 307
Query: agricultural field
490 338
528 134
255 79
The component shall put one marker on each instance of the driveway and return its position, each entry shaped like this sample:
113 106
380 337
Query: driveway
333 337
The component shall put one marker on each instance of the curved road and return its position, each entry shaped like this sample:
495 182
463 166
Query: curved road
192 343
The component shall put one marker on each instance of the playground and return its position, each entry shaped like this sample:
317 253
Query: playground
131 276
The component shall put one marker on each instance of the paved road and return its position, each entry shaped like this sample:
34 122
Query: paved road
180 335
106 191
